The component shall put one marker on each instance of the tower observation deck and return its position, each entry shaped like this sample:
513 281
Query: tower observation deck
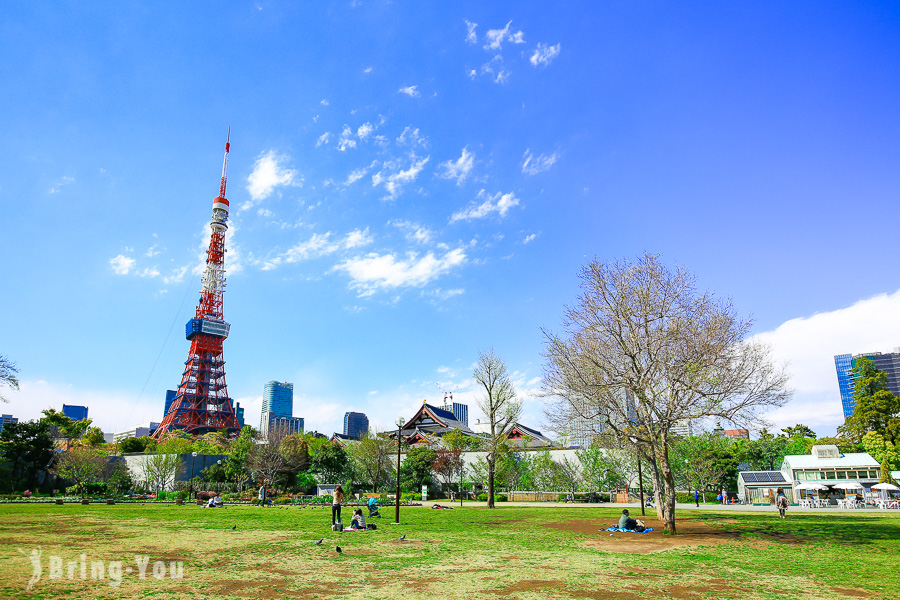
202 404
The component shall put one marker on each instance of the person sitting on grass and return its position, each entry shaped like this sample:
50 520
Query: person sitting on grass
626 522
358 521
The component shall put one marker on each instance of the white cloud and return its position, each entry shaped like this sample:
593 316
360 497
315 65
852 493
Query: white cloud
268 173
346 140
317 246
471 36
364 130
543 55
379 272
532 165
324 102
411 137
460 168
149 272
496 37
152 251
410 91
63 181
367 70
498 203
472 74
393 182
502 76
413 231
265 212
809 345
355 176
529 238
121 264
323 139
177 275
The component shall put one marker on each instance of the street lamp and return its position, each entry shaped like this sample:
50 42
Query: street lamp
193 458
400 423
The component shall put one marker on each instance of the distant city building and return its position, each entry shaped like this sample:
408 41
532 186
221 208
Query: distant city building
583 429
460 411
683 428
844 363
76 413
136 431
170 397
356 425
4 419
239 414
285 425
278 399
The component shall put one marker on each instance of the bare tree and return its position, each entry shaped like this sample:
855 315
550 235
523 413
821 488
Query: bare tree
644 350
267 458
499 405
80 464
372 456
8 372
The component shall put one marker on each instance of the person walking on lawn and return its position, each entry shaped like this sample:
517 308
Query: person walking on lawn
336 505
781 502
697 497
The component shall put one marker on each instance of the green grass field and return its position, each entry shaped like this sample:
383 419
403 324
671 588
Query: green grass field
506 553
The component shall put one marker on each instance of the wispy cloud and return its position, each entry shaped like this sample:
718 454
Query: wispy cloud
355 176
458 169
121 264
532 165
496 37
317 246
410 91
543 55
364 130
152 251
413 231
497 203
380 272
394 180
323 139
346 140
59 184
324 102
529 238
411 137
268 173
471 36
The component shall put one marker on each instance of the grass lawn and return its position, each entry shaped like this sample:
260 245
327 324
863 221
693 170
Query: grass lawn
506 553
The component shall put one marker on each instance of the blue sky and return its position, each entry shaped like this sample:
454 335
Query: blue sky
412 183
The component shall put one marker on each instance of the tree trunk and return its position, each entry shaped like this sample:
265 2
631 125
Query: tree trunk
665 489
490 502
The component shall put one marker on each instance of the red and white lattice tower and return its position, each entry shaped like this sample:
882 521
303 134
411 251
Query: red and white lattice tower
202 404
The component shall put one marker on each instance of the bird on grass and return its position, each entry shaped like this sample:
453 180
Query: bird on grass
338 550
319 543
234 527
402 537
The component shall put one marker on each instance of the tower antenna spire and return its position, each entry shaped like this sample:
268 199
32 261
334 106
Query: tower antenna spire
225 165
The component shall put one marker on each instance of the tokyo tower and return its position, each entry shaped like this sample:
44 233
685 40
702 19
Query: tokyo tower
202 404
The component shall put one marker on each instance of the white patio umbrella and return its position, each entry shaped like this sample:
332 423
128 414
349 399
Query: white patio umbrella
849 485
886 486
811 485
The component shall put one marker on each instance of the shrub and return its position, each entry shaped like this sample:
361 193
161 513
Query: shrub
204 495
500 497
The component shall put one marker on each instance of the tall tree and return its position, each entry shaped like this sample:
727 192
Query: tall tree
161 470
877 409
417 467
799 430
8 372
372 456
331 463
645 350
500 406
28 448
448 464
65 427
81 464
266 459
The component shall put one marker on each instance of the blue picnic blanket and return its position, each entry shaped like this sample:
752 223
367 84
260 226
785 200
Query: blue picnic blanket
614 528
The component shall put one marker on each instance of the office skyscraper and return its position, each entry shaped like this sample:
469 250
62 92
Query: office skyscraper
844 363
278 399
76 413
355 424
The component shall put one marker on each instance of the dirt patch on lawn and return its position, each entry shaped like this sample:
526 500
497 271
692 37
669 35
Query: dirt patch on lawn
852 592
527 585
691 534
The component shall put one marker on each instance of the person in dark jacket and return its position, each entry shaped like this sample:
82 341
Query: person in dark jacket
626 522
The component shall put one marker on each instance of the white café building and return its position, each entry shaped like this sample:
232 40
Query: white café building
824 465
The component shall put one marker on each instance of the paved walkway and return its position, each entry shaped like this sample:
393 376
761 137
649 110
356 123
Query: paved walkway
678 507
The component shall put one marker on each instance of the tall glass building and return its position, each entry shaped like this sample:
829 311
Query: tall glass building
844 363
356 424
278 399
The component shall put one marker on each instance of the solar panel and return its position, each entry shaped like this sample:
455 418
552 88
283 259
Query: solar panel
763 477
